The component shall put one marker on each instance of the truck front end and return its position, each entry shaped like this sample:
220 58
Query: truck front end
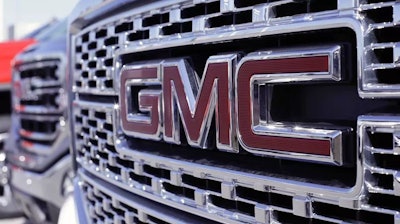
236 111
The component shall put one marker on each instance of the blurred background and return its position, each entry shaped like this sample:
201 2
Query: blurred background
20 17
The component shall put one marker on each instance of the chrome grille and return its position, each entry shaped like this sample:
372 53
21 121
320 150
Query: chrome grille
212 192
188 185
220 194
39 99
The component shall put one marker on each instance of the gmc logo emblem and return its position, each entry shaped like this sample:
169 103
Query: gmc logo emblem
160 99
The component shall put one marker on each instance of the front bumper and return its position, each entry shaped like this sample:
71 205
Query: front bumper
32 189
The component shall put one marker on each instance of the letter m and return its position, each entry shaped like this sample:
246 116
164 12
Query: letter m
192 103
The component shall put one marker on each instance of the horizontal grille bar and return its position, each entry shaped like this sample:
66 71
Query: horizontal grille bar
37 136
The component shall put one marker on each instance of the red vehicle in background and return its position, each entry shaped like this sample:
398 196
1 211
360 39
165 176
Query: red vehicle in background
8 50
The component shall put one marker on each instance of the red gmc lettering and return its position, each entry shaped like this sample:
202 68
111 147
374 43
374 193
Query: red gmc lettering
184 99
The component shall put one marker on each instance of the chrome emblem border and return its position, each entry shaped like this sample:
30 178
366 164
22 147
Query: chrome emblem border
178 98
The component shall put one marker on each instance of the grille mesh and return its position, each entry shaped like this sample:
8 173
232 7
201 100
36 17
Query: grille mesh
204 189
94 136
38 100
191 187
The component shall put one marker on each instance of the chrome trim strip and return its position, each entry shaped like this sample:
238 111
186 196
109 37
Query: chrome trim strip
34 147
38 136
40 117
36 110
27 63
